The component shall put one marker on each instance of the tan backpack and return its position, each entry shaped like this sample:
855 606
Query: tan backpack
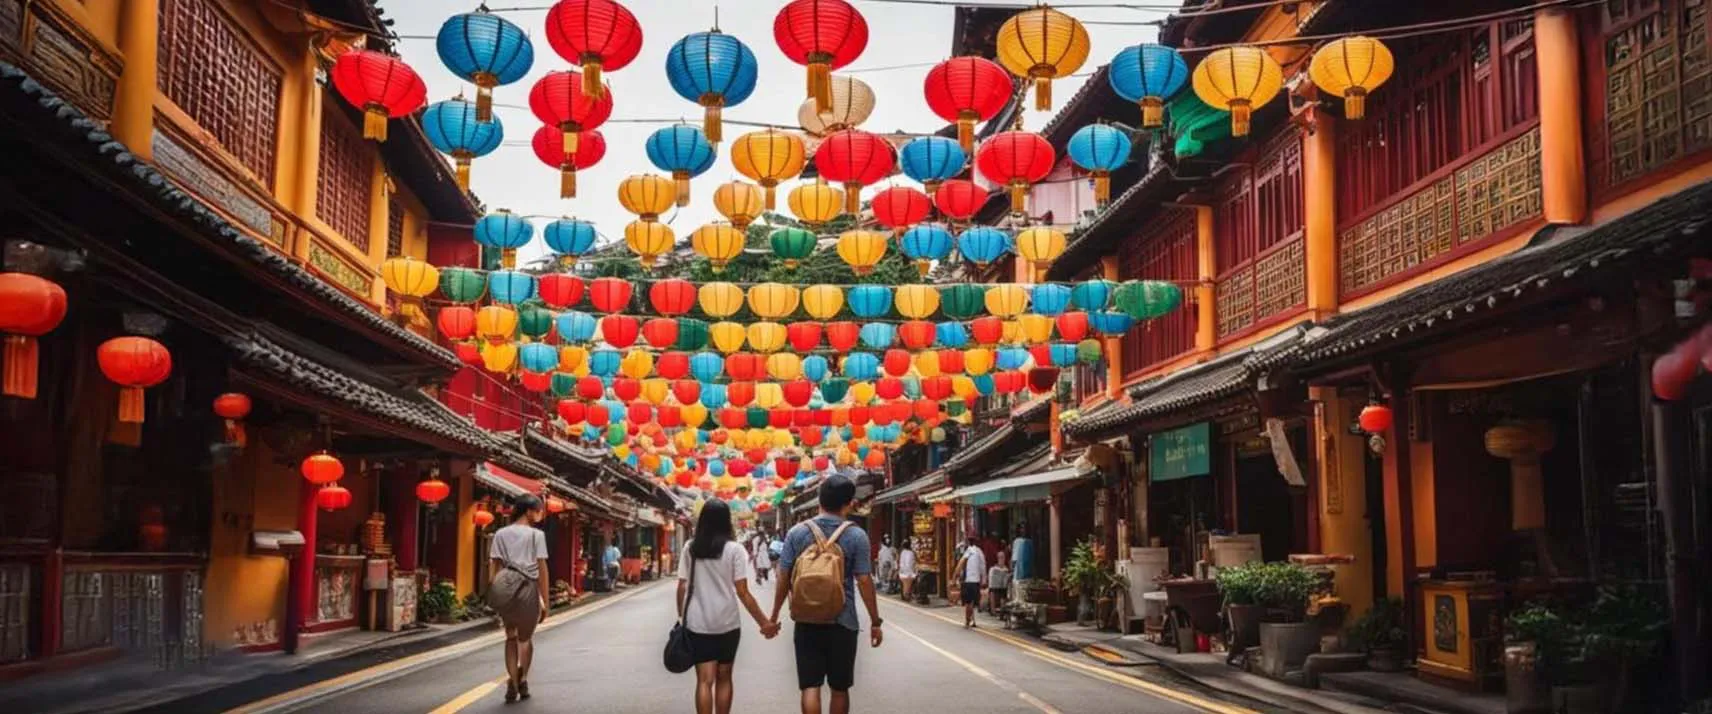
817 578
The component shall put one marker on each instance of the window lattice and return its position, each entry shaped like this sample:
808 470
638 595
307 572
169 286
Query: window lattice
394 227
1262 269
1164 253
213 72
342 194
1658 86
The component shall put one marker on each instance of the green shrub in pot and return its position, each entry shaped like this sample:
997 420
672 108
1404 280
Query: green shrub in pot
1284 589
1239 584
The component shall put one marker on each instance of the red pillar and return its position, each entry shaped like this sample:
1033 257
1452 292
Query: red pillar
302 580
405 517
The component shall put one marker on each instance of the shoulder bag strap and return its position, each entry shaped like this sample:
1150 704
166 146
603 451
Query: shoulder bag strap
689 592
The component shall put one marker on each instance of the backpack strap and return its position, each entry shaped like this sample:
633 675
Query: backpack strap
819 537
836 533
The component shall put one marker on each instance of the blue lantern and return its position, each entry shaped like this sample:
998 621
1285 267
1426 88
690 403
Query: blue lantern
1110 322
815 368
1148 74
1050 299
712 69
505 232
983 244
927 242
575 326
951 335
614 410
984 384
1010 358
537 357
834 390
509 287
683 150
604 363
713 396
878 335
1092 295
452 127
570 238
1099 150
1063 354
912 386
716 467
706 366
931 160
861 365
486 49
590 433
870 301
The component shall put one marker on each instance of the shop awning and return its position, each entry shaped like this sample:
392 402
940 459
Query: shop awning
938 495
1018 489
649 517
506 482
908 491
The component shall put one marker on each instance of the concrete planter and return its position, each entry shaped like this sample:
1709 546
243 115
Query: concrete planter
1285 646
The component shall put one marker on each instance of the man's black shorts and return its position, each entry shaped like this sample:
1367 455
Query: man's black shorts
826 654
721 648
971 593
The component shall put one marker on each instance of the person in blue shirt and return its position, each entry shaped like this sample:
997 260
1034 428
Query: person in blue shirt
609 560
826 653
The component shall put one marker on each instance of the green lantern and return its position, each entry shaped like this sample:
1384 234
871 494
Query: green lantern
692 334
563 384
793 245
534 321
1088 351
963 301
834 389
955 407
615 434
757 417
1147 299
462 285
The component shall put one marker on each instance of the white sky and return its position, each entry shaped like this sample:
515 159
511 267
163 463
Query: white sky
514 179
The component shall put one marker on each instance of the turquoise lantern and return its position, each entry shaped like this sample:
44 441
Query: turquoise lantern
1010 358
452 128
870 301
925 243
575 326
486 49
912 386
984 384
1149 75
706 367
1051 299
712 69
878 335
815 368
1092 295
834 390
505 232
951 335
1063 354
861 366
570 238
1109 322
983 244
537 357
682 150
932 160
509 287
1099 149
713 396
604 362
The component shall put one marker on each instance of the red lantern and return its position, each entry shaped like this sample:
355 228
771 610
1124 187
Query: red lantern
936 388
842 336
433 490
1042 379
798 392
322 468
482 518
639 413
951 361
556 505
811 437
967 90
572 411
733 418
609 294
688 391
1072 326
536 381
786 467
740 394
626 388
598 416
896 362
135 364
559 101
987 330
672 297
803 336
381 84
668 415
875 459
29 308
660 333
1672 373
1010 382
1375 418
685 479
468 352
333 497
778 418
888 387
900 207
672 365
600 35
821 463
917 334
1016 159
860 415
549 145
801 418
959 199
822 35
926 409
855 158
619 330
1042 355
457 322
558 290
233 407
763 506
740 469
590 388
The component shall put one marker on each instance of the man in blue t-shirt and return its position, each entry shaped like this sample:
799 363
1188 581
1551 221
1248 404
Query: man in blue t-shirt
826 653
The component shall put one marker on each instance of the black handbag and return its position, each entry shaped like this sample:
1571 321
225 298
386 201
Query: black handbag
679 656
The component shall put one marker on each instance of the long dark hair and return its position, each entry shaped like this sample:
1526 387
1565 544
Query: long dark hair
712 531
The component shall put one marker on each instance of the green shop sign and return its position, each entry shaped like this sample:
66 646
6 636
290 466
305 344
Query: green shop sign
1180 453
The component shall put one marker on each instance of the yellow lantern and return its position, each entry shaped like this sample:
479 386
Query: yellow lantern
1040 245
571 357
581 370
816 203
783 439
1011 332
861 392
773 301
1007 300
1239 80
727 337
720 300
845 457
637 363
725 483
964 387
766 336
685 441
496 323
719 243
739 202
1036 329
822 302
978 361
625 448
767 158
862 250
694 414
1351 67
499 356
647 195
648 240
655 390
411 280
852 104
927 363
916 301
768 395
1042 44
758 438
784 366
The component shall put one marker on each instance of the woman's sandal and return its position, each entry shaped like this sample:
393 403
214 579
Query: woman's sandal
523 690
510 691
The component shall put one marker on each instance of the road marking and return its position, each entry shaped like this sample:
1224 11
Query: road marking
468 698
984 674
1088 669
386 671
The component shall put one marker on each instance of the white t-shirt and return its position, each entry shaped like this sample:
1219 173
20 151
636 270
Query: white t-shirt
998 578
906 563
762 560
888 556
974 565
520 546
713 607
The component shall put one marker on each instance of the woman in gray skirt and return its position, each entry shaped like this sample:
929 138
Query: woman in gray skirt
517 592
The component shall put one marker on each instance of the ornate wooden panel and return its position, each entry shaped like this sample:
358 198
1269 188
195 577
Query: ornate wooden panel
1499 189
1260 226
327 261
200 177
1280 279
1657 94
394 227
1234 298
218 76
342 194
55 50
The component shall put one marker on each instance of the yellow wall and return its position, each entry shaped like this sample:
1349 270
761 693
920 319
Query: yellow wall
1345 524
252 493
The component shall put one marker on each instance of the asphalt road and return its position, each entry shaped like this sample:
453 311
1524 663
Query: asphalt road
607 659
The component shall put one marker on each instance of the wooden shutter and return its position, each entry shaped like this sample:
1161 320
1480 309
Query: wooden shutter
218 76
342 194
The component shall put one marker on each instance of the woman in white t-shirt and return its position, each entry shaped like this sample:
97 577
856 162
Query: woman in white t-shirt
906 569
516 590
712 579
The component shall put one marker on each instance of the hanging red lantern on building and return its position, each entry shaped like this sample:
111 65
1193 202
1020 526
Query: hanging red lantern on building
687 391
745 366
233 407
672 365
382 85
590 388
599 35
896 362
660 333
936 388
610 294
842 336
822 35
135 364
30 307
967 90
672 297
917 334
639 413
456 322
987 330
620 331
598 416
1072 326
572 411
549 145
1015 159
558 290
559 101
482 517
899 207
888 387
626 388
821 463
740 394
855 158
433 490
959 199
468 352
322 468
1375 418
333 497
951 361
733 418
925 409
536 382
798 392
803 336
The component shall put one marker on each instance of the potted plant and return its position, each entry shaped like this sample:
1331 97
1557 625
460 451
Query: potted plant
1282 591
1087 577
440 603
1380 633
1615 637
1239 586
1535 636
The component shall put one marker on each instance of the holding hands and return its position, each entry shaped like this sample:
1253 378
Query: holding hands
770 629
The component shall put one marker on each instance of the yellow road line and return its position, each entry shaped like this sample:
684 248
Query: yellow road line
978 671
369 674
468 698
1041 653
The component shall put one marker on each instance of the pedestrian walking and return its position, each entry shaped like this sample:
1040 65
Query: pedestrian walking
826 559
906 569
998 584
973 566
763 559
516 591
610 560
888 564
712 581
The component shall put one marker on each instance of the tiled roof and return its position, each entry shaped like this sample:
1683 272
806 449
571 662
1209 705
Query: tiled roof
1088 243
574 463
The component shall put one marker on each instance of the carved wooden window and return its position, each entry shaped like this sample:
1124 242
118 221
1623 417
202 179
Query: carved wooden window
218 76
1261 266
394 227
1653 104
1164 253
342 194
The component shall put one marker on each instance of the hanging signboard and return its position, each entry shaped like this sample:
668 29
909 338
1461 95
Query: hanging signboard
1180 453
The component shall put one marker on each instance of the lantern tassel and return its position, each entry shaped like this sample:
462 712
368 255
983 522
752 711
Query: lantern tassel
924 266
1355 103
853 198
771 197
1241 113
1019 197
1102 187
131 405
1042 93
568 181
683 179
485 83
508 258
570 138
235 434
22 356
463 168
1152 112
931 187
591 78
820 85
966 129
711 123
374 122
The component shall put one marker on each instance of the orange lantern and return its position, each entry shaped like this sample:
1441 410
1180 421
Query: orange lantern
232 407
322 468
29 308
433 490
135 364
482 517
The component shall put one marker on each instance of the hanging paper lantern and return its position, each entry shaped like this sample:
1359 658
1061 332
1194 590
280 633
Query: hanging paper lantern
899 207
30 307
549 146
672 365
842 336
720 300
978 361
821 35
496 323
815 367
785 366
951 334
610 294
1064 354
1042 379
570 238
1042 44
862 250
766 336
745 366
889 388
462 285
684 151
870 301
931 160
499 357
773 301
917 301
481 518
534 321
452 128
1148 74
559 290
792 245
332 497
833 390
986 330
983 244
878 335
575 326
648 240
383 86
1351 67
647 195
538 358
1092 295
706 366
485 49
1072 326
1099 149
967 90
321 468
926 365
856 159
660 332
1016 159
822 302
135 364
572 359
1088 351
712 69
692 334
816 203
852 104
1239 80
1040 245
605 362
768 157
1049 298
510 287
959 199
1147 299
636 365
951 361
963 300
672 297
560 100
926 243
861 365
233 407
504 231
917 334
739 202
1035 328
728 337
599 35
